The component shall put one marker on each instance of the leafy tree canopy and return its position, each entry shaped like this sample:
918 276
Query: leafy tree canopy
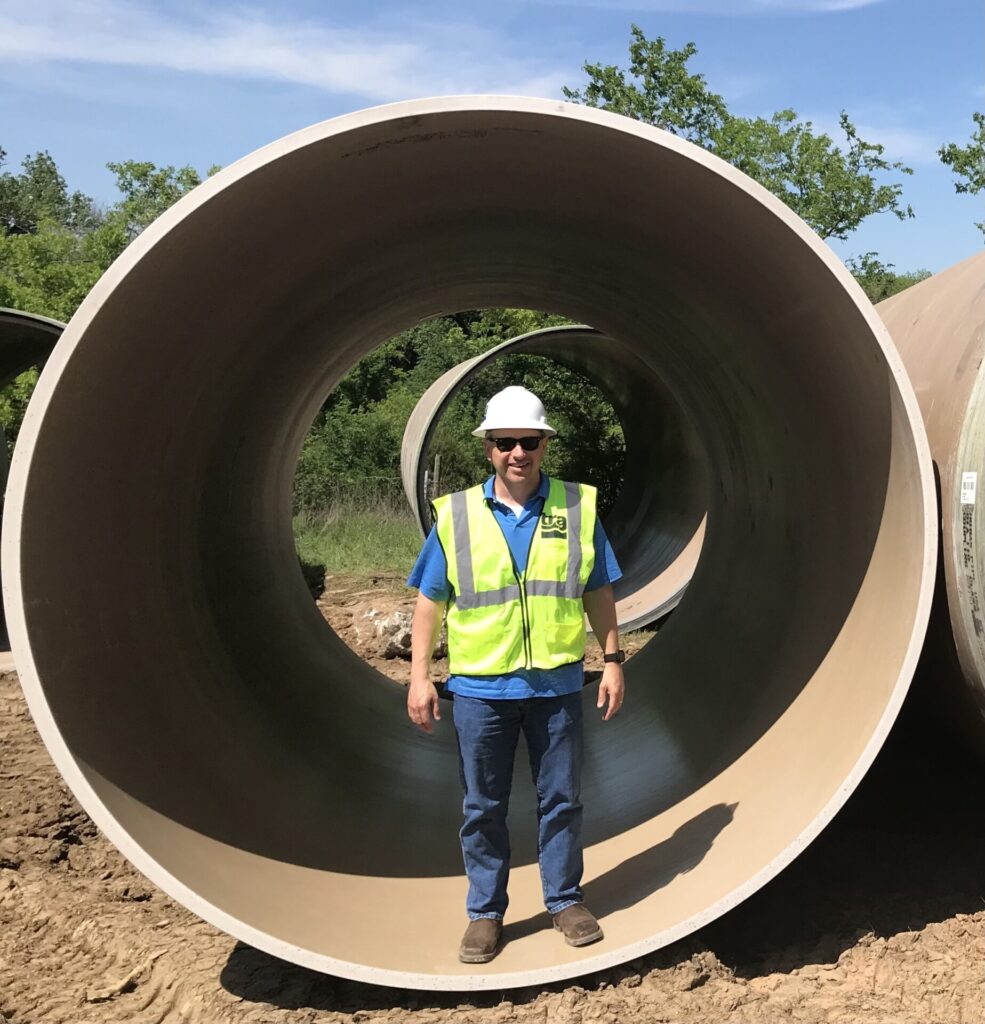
968 162
832 187
38 195
665 94
878 280
55 243
147 191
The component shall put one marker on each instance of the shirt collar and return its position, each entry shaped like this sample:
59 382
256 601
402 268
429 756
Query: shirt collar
542 491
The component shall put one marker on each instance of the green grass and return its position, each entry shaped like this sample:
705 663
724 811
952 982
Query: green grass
353 537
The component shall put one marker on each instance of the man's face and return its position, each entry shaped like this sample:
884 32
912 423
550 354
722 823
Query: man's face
516 465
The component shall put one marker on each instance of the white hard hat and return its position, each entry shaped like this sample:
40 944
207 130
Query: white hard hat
514 408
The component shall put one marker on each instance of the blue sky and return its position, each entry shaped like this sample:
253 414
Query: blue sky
184 83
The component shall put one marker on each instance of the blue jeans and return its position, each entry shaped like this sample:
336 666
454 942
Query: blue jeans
488 732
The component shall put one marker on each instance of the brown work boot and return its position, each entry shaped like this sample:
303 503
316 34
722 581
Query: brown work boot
578 925
480 943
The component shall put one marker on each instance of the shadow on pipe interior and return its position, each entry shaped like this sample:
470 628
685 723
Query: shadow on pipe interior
233 746
904 853
656 522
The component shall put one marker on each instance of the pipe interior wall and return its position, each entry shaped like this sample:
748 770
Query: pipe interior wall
657 522
231 744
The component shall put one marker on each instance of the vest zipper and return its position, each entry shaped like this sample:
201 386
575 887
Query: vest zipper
528 646
528 651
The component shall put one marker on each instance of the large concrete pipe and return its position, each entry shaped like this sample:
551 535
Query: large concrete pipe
657 522
231 744
939 328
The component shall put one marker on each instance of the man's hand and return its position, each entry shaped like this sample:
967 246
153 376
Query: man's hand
612 688
423 703
600 607
422 697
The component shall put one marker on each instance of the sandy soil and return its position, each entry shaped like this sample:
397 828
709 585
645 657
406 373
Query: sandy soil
880 921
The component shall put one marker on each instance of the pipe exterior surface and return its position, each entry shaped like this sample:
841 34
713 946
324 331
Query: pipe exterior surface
235 749
938 326
657 522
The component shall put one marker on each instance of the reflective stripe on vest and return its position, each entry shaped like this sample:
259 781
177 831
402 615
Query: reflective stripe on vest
498 619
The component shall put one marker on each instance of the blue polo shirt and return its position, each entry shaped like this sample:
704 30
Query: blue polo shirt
430 576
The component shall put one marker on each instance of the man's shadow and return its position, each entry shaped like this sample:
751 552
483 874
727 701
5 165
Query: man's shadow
643 874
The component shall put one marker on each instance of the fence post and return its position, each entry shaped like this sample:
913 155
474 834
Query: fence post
435 476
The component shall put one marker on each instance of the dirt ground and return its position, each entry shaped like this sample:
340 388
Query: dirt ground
880 921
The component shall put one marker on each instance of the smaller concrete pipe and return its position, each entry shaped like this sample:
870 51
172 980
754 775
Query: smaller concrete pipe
26 340
657 523
939 328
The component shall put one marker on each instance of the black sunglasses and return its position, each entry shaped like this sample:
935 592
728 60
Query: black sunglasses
507 444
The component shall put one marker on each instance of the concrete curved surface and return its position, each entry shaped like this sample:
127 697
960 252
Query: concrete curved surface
26 340
229 742
657 522
938 326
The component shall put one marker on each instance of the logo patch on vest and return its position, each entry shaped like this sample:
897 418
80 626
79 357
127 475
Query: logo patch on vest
554 526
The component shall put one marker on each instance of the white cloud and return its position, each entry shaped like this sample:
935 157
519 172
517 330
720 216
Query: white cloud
369 63
906 144
822 6
721 7
910 145
738 87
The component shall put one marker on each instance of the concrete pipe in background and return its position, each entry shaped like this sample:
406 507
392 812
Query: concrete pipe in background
657 523
26 340
939 328
232 745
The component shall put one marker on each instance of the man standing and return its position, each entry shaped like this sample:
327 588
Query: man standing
517 562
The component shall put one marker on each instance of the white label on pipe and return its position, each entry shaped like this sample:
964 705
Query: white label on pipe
969 484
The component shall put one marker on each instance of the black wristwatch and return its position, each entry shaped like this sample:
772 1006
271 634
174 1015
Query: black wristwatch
617 656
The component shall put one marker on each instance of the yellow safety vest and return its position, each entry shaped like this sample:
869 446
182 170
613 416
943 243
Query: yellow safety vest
498 619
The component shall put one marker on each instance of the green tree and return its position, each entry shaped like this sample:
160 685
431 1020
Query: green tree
665 94
353 448
50 270
39 195
55 243
13 404
968 162
833 188
878 280
147 191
